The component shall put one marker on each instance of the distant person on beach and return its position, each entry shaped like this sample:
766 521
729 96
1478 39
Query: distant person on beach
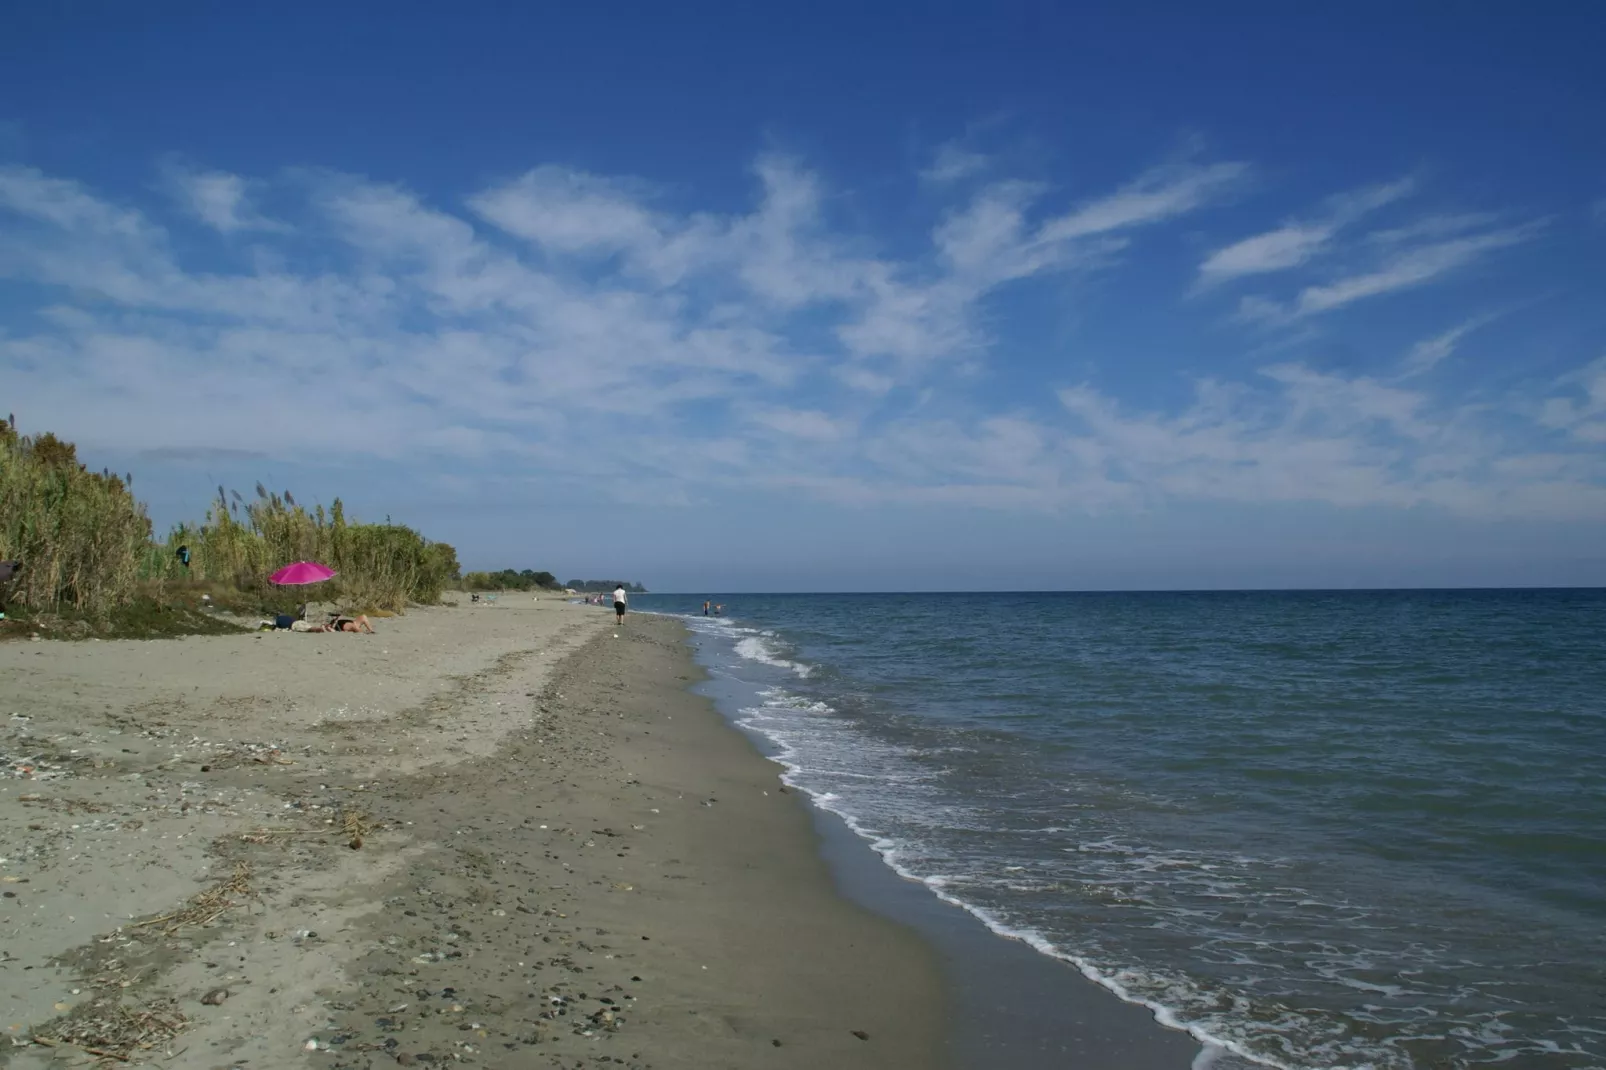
705 609
719 610
619 602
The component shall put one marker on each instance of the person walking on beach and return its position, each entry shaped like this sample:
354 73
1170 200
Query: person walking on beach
619 602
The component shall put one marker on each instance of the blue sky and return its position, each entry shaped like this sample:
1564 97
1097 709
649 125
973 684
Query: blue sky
918 297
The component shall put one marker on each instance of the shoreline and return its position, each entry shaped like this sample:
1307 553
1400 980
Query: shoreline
1015 1005
272 850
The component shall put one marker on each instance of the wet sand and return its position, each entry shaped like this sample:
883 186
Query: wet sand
497 836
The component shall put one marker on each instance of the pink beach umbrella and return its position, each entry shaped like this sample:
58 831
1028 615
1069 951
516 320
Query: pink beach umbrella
301 572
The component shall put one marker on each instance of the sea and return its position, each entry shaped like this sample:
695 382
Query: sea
1313 829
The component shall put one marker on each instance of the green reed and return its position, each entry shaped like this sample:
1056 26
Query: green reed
80 535
243 542
86 542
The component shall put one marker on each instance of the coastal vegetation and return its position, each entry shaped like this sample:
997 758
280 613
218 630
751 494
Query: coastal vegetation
242 542
90 560
531 580
509 580
81 535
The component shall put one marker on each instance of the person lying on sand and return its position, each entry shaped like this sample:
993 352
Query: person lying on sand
358 624
287 622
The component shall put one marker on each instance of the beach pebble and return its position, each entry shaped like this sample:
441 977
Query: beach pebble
215 997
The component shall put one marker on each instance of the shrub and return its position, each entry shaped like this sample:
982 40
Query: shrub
86 546
80 535
509 580
380 566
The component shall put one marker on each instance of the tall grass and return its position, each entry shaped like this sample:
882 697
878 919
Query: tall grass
243 542
86 543
80 535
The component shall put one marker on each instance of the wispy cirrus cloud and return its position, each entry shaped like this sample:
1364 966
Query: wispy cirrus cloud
586 329
217 198
1154 197
1579 407
1300 435
569 212
1401 261
1415 266
406 313
806 424
953 162
1299 242
1291 434
1357 267
999 237
1431 352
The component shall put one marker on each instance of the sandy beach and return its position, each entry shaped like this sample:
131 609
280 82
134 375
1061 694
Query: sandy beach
493 835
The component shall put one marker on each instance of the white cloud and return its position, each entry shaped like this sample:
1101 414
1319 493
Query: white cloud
1433 228
568 212
1274 250
1431 352
988 239
1294 244
575 327
864 380
1354 204
1413 267
218 199
779 253
952 163
66 204
1160 195
1580 410
994 240
1384 261
806 424
1314 437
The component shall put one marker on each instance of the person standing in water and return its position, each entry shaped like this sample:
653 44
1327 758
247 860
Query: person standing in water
619 602
705 609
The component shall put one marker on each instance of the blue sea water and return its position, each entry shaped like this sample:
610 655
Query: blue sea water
1318 829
